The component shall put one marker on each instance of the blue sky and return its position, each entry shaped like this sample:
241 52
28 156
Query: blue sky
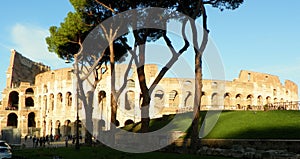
261 36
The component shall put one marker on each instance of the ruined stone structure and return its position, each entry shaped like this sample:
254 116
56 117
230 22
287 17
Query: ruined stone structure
40 101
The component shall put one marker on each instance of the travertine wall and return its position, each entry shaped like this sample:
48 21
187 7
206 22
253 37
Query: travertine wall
41 101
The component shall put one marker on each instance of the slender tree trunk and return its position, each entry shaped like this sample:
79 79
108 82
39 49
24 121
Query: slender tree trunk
195 140
145 100
113 118
197 102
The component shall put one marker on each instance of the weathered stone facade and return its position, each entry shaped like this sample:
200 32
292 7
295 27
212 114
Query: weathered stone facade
40 101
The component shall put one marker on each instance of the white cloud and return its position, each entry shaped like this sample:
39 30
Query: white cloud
30 42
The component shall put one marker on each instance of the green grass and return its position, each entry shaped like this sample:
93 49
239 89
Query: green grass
257 125
99 153
239 125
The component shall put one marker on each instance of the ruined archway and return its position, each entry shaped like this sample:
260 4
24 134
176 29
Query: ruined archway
13 100
188 100
238 101
173 99
128 122
129 100
12 120
69 99
29 102
214 99
31 120
59 100
227 100
249 101
29 91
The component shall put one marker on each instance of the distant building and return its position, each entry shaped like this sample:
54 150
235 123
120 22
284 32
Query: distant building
40 101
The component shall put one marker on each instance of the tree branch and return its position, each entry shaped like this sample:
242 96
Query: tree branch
105 6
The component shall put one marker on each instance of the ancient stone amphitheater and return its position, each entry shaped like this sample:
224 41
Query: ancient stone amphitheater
40 101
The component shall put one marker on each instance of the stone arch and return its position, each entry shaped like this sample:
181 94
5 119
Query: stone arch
159 98
117 123
130 83
101 125
102 102
260 100
249 100
69 99
129 100
13 100
187 83
204 101
59 100
214 85
29 91
239 101
12 120
29 102
227 100
127 122
268 99
51 101
188 99
31 120
274 92
173 99
45 100
214 99
66 128
57 128
45 88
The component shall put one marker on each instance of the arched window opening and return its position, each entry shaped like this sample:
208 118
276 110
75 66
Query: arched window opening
29 102
173 99
51 101
45 89
159 98
13 101
130 83
29 91
128 122
188 100
12 120
31 120
101 125
268 100
260 100
238 100
59 100
69 99
45 100
129 100
214 99
227 100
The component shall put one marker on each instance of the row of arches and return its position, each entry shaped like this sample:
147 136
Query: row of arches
12 120
50 102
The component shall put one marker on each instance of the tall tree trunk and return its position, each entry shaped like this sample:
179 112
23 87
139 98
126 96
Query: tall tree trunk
197 101
195 140
113 117
145 100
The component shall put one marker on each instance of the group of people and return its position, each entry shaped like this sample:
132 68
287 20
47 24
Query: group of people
42 141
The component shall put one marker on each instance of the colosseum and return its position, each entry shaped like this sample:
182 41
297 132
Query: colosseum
40 101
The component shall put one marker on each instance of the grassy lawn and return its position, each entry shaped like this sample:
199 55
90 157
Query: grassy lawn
257 125
240 125
230 125
99 153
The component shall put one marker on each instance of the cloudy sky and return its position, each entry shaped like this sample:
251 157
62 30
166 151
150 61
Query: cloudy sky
261 36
